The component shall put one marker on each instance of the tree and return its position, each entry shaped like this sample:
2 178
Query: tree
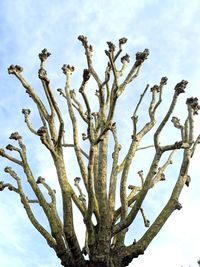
106 224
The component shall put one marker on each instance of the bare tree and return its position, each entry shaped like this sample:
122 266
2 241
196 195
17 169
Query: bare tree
106 224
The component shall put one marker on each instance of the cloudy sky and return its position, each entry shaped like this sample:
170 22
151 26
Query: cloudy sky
171 31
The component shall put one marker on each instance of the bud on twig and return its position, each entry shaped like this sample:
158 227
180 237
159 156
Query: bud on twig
111 46
77 180
61 92
84 42
176 122
107 53
8 169
180 87
14 69
193 103
2 152
125 58
155 88
11 172
26 111
44 54
40 180
67 68
15 136
141 56
9 147
163 81
140 173
83 39
86 75
122 40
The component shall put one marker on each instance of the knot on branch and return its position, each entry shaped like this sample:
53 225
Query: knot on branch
125 58
141 57
188 180
44 54
113 126
2 152
42 131
42 74
29 94
155 88
178 145
85 250
26 112
162 177
9 147
119 147
178 205
72 93
134 137
134 118
122 40
198 139
97 93
131 187
82 198
193 103
163 80
67 69
111 47
86 75
94 114
13 69
40 180
84 136
15 136
180 87
176 122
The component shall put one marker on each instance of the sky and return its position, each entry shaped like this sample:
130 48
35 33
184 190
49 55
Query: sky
170 29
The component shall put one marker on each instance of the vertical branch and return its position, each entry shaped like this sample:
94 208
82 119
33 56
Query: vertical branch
68 71
113 176
91 200
179 88
88 53
51 100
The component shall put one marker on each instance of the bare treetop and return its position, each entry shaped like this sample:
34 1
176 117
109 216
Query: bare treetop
106 224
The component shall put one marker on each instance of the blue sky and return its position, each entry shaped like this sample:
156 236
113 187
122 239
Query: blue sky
171 31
